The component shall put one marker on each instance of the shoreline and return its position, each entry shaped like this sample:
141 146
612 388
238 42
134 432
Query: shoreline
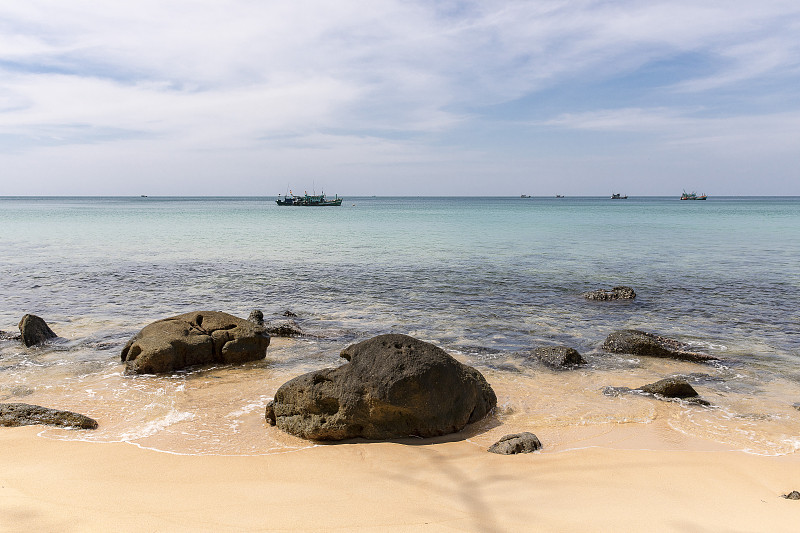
50 485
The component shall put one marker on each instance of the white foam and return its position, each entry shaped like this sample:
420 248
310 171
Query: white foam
154 426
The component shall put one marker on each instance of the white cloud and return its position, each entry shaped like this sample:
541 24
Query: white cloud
373 81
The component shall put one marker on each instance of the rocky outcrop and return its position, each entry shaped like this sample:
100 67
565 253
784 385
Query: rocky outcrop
635 342
23 414
34 330
669 389
393 386
560 357
198 338
516 443
617 293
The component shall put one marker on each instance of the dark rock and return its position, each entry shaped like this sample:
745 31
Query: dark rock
284 328
516 443
669 388
617 293
394 386
35 330
794 495
199 338
637 342
289 314
256 317
796 405
23 414
559 356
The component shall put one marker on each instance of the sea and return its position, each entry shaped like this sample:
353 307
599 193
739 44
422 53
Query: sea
488 279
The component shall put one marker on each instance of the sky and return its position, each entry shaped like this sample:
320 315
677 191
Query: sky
384 97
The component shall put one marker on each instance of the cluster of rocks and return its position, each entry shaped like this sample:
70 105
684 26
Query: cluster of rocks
392 386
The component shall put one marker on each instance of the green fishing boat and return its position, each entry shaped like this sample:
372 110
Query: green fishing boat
692 196
308 200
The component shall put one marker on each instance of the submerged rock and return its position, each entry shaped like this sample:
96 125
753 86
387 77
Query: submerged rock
635 342
198 338
393 386
617 293
559 356
8 336
525 442
34 330
284 328
289 314
23 414
669 388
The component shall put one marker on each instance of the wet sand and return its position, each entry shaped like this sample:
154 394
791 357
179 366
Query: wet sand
630 477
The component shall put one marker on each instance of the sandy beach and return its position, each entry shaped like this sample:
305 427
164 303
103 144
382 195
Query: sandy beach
51 485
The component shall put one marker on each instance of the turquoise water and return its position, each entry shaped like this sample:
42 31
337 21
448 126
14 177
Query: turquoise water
486 278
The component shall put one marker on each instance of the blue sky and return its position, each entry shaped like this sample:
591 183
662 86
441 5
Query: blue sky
247 97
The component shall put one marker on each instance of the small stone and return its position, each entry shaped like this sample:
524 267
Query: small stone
670 388
559 356
289 314
794 495
284 328
525 442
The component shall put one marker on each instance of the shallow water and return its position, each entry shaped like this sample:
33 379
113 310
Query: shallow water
485 278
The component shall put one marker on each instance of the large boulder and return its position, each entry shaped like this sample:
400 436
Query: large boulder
635 342
34 330
23 414
559 356
617 293
393 386
198 338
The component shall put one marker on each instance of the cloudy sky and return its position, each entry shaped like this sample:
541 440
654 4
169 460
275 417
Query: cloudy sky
249 97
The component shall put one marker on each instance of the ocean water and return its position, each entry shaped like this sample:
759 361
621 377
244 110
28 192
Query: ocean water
487 279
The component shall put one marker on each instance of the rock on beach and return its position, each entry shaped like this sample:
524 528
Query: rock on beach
23 414
525 442
635 342
393 386
197 338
